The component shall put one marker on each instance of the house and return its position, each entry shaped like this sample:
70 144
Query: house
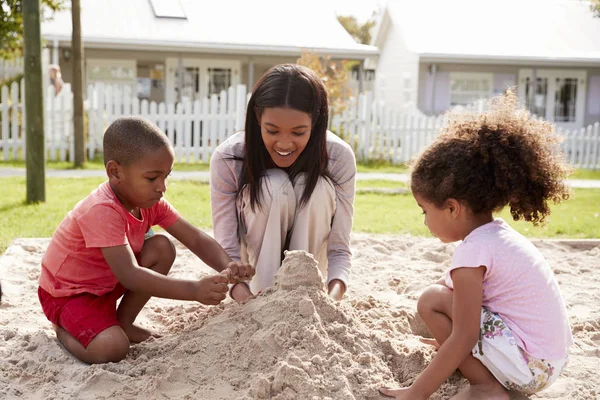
188 49
439 54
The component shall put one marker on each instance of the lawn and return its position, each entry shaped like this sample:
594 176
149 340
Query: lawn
371 166
376 213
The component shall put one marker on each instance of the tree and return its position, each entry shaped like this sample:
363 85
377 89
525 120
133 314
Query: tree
11 24
34 102
77 84
596 7
335 76
360 33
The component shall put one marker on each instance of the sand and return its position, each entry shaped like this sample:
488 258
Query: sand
291 342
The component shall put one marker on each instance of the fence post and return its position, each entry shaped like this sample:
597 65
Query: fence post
14 134
4 138
240 107
595 156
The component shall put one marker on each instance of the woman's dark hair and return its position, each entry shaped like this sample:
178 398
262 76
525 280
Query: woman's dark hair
295 87
500 157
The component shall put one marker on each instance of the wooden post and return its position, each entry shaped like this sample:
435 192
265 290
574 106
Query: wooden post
78 132
34 103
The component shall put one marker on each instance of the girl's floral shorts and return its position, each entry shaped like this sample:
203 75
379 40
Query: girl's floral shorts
497 349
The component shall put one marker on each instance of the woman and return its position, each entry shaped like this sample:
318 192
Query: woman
285 183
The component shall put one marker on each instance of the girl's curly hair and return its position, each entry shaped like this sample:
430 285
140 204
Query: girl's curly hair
488 160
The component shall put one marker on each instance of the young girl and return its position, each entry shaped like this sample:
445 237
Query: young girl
498 314
285 182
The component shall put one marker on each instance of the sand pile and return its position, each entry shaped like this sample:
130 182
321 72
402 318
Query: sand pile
291 342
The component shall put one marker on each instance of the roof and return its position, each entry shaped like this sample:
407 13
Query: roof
268 27
559 31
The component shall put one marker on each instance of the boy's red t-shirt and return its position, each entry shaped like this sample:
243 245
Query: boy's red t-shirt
74 262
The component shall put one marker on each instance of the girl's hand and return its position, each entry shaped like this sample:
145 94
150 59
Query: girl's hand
403 393
430 342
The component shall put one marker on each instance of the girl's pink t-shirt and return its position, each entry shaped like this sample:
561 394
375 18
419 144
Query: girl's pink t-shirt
519 286
73 262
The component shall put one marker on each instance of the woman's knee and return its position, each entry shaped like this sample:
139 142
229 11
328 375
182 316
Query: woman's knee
158 251
436 298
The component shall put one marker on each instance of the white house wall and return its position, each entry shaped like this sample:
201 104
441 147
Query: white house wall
503 77
397 71
145 60
592 104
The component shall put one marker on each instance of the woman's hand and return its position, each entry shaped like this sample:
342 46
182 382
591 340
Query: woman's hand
241 293
336 289
238 271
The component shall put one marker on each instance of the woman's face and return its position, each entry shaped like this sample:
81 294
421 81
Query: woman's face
285 133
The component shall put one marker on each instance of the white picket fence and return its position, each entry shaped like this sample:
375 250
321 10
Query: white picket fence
196 128
379 133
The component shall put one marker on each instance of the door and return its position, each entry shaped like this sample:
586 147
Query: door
200 78
556 95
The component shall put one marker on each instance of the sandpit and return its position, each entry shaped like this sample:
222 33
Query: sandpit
291 342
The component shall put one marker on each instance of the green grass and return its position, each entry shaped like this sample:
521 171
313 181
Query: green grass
376 183
98 164
371 166
376 213
382 167
585 174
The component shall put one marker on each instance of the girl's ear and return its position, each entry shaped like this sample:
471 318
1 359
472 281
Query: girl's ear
454 206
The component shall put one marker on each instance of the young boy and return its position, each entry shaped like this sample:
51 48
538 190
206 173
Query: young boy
101 250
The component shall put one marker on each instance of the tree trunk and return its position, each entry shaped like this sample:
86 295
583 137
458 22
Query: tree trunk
34 103
76 41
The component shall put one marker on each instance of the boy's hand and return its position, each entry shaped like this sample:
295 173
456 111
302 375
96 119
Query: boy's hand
238 271
212 290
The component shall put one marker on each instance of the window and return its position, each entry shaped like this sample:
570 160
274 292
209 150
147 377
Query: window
466 88
537 103
190 84
118 73
168 9
555 95
109 73
407 88
218 79
564 100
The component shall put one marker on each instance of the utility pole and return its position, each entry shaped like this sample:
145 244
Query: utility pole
77 45
34 103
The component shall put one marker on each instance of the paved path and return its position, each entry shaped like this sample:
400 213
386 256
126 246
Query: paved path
203 176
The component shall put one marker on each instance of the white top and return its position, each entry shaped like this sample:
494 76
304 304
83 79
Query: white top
225 176
519 286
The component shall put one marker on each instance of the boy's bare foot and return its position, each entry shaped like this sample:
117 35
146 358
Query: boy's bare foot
487 392
137 334
430 342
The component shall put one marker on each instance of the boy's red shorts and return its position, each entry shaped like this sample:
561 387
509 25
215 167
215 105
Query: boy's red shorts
83 315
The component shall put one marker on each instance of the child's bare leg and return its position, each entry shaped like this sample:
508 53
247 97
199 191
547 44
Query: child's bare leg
158 254
110 345
435 308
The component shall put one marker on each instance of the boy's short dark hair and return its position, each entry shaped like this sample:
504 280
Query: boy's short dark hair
128 138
